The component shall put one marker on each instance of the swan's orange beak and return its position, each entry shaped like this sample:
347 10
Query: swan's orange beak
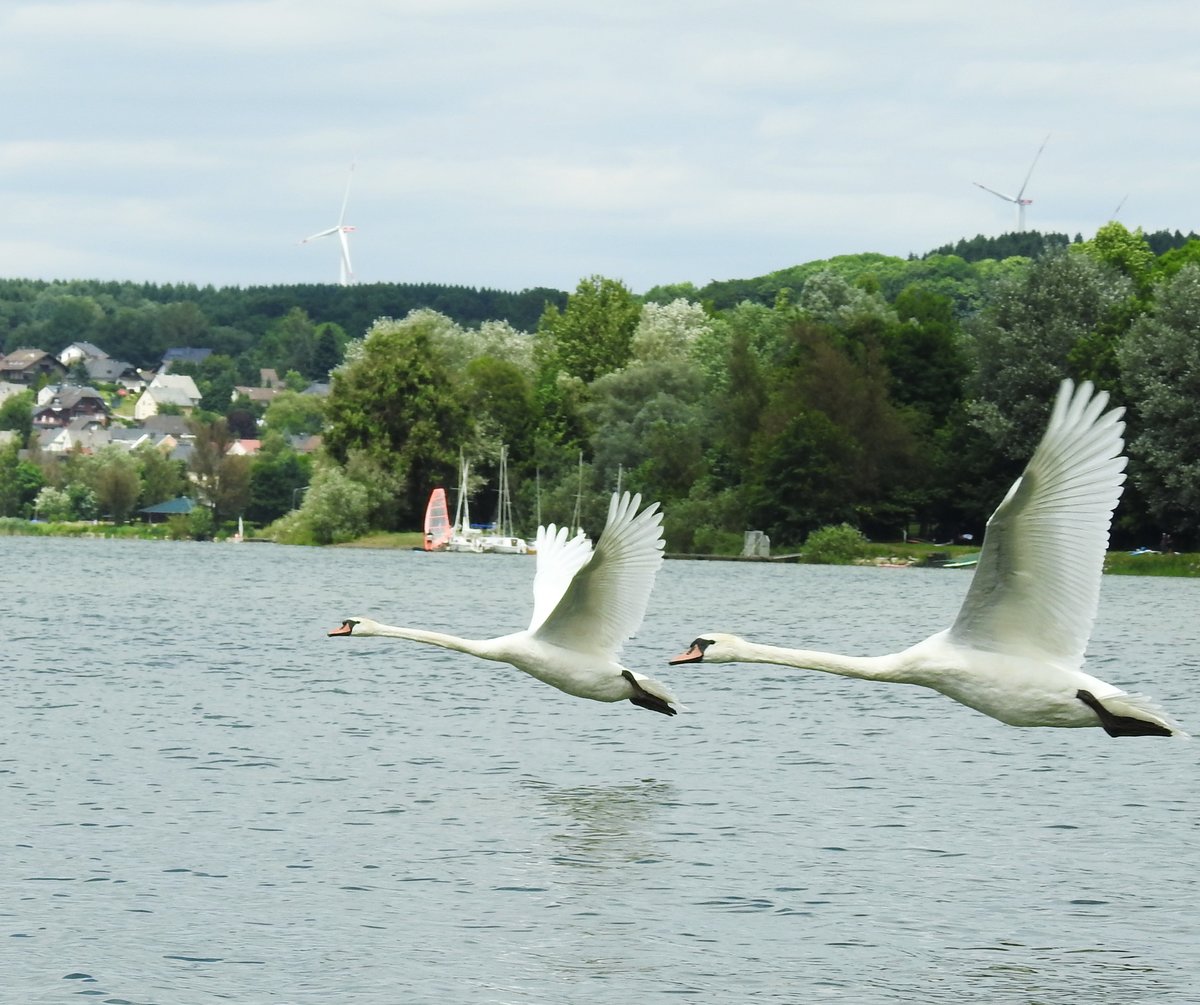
345 628
694 655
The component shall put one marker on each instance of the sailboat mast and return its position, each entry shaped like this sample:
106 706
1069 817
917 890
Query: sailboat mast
504 522
462 518
578 496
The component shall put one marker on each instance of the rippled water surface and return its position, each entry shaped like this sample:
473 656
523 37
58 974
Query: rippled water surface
205 799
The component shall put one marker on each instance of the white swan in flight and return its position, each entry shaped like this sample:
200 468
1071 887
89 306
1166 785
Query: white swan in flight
585 605
1016 648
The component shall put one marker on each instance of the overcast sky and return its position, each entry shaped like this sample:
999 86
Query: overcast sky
521 143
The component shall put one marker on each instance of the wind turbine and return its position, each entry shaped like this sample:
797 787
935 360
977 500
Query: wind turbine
341 229
1019 198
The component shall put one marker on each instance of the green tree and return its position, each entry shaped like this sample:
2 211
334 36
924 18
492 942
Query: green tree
327 350
84 504
222 480
1160 368
1170 262
335 507
593 335
669 331
200 524
52 504
499 395
830 428
833 300
161 477
738 409
293 414
1022 345
802 478
276 476
924 355
649 422
395 401
16 413
181 323
1128 253
114 478
20 482
63 318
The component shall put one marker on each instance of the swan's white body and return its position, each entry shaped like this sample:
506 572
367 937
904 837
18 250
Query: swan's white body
585 605
1016 648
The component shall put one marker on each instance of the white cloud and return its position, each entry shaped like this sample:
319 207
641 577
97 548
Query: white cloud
530 143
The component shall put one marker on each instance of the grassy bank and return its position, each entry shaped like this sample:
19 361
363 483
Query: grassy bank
406 539
12 527
1123 563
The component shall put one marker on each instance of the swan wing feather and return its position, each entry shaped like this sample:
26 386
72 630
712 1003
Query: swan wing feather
559 559
606 600
1037 583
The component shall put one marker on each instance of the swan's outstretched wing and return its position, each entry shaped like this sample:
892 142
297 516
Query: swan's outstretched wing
606 601
1037 584
559 558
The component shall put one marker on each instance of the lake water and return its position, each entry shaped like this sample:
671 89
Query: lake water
205 799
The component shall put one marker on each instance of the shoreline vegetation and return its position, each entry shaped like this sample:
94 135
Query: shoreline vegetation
890 555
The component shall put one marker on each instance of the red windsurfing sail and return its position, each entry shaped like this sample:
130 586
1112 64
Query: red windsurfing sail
438 530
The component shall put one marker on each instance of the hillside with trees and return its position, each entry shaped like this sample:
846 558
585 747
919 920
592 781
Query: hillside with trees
895 395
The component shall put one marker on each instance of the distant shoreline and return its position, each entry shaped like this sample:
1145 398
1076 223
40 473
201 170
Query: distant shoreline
895 556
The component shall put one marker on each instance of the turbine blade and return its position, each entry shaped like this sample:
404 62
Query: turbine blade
1021 192
323 233
347 271
1006 198
346 197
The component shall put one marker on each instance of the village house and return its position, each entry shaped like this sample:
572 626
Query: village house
57 406
183 354
168 425
167 389
269 385
80 352
83 433
244 448
25 366
132 437
116 371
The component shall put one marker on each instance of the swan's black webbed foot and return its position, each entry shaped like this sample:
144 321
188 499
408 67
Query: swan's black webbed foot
644 699
1120 725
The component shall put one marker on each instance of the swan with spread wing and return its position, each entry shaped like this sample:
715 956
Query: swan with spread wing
1016 650
586 603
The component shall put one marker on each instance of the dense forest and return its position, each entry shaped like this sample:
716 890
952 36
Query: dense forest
896 395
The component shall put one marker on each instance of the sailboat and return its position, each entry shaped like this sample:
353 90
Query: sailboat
438 530
502 540
463 536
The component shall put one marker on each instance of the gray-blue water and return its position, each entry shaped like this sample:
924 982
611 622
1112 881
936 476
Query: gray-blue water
205 799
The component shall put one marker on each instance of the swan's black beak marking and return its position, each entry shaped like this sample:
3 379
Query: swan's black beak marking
694 654
346 628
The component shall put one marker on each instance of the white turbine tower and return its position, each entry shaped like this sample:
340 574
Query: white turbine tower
341 229
1019 198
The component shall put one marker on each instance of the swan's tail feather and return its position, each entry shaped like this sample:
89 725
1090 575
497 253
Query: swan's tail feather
1141 708
652 694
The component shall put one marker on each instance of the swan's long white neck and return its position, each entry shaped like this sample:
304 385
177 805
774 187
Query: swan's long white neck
883 668
472 647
